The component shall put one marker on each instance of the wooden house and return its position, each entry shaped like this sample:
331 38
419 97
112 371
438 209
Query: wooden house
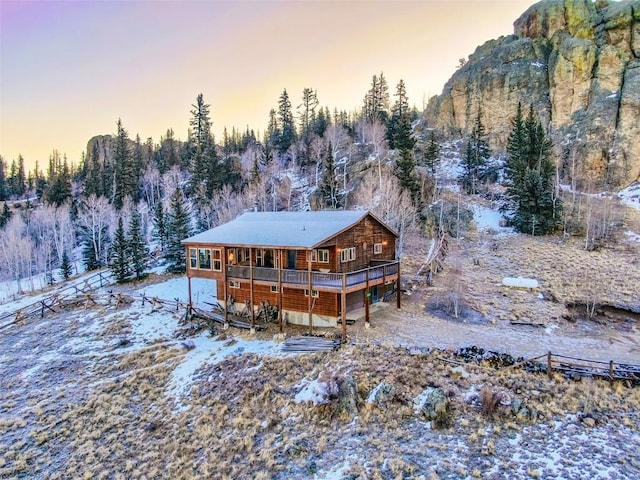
314 266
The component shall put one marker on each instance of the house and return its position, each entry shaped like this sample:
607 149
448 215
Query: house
314 266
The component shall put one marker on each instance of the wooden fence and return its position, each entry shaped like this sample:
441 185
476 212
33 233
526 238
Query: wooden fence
39 308
574 367
434 261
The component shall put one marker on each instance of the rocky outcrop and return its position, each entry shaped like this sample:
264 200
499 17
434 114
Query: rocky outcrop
578 63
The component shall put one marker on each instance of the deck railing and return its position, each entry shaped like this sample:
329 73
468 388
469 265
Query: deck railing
318 279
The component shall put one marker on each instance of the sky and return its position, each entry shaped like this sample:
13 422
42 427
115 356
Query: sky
70 69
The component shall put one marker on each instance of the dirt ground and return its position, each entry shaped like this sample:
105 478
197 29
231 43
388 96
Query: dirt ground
566 274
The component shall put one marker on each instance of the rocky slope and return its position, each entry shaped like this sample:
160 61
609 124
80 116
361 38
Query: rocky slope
578 63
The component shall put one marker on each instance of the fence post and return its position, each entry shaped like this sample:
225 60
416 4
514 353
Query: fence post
611 371
549 364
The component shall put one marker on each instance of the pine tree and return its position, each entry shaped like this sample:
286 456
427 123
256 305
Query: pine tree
137 247
205 165
65 266
124 175
406 173
531 206
5 216
286 124
160 225
329 188
432 153
376 101
59 180
119 263
3 180
475 158
177 230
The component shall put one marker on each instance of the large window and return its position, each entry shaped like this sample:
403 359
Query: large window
193 258
348 254
320 255
217 259
204 258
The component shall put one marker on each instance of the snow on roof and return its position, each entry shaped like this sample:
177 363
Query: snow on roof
281 229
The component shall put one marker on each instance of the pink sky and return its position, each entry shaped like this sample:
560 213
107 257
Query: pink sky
70 69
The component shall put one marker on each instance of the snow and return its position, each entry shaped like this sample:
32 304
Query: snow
538 64
634 237
315 391
488 219
202 290
520 282
630 196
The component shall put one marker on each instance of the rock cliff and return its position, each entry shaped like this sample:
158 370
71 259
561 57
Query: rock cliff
578 63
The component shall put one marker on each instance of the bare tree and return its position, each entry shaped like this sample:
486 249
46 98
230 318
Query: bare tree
16 249
95 218
390 202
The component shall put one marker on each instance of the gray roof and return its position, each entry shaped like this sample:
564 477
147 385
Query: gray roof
281 229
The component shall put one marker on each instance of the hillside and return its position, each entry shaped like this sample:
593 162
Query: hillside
578 63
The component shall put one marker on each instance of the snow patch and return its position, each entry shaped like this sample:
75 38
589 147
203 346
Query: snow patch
630 196
488 219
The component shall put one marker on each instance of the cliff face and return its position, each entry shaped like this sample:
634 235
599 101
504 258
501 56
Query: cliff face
578 63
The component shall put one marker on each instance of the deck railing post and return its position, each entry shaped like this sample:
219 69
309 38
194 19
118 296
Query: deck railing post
611 371
549 364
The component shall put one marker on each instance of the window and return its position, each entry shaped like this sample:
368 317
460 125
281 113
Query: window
275 288
234 284
320 255
193 258
204 258
217 259
259 258
314 293
377 248
348 254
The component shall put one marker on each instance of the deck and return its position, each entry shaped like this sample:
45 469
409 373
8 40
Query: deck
331 282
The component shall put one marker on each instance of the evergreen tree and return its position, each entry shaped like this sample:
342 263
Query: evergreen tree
531 206
177 230
94 182
475 159
65 266
3 180
376 101
119 258
5 216
205 165
124 175
399 132
59 180
406 173
286 124
431 155
137 247
160 225
168 153
329 187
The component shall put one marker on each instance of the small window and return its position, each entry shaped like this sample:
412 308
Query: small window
234 284
217 259
275 289
314 293
377 248
348 254
193 258
204 258
320 255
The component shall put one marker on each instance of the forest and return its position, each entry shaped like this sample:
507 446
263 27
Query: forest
128 202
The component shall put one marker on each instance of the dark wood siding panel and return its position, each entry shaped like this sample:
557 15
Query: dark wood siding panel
325 304
201 273
363 236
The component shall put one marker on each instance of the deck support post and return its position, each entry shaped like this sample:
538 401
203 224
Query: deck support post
310 296
398 289
253 316
225 259
343 307
367 294
189 288
280 289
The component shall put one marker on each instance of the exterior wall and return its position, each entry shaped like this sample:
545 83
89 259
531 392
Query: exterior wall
363 236
206 273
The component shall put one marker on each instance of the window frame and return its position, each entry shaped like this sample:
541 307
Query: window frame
234 284
216 259
347 254
200 258
193 258
314 293
275 289
320 255
377 248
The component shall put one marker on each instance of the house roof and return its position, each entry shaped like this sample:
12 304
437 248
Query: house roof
282 229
